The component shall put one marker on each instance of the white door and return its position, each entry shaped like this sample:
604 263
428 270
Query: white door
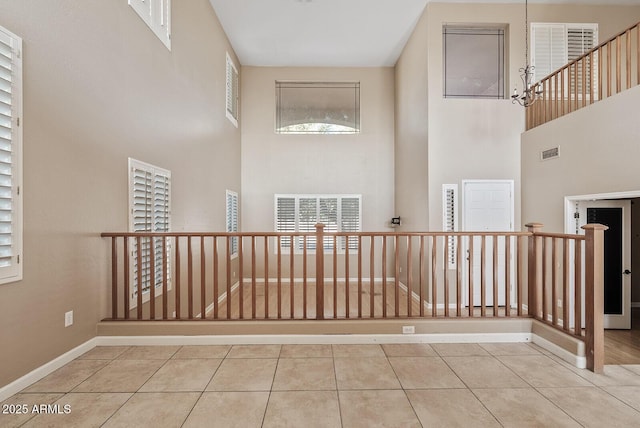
488 207
616 214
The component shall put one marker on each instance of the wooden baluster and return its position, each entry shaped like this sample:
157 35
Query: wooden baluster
594 296
519 274
304 276
228 268
139 284
253 277
359 276
190 278
609 70
396 282
384 276
346 277
279 268
165 280
203 283
618 64
483 272
335 276
628 58
152 278
584 81
494 275
555 96
240 276
638 54
114 277
599 73
591 82
554 281
266 277
575 85
470 276
434 277
178 291
459 276
422 275
216 273
507 275
562 91
577 288
409 278
446 276
320 271
544 279
565 284
372 278
291 279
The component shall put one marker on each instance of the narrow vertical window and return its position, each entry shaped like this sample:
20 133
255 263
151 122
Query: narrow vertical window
450 219
150 211
232 220
232 92
10 156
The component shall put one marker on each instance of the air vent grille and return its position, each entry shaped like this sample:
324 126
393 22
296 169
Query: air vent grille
550 153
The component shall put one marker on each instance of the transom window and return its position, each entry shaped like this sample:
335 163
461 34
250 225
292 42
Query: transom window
474 61
300 213
317 107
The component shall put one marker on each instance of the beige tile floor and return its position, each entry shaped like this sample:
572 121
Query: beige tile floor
407 385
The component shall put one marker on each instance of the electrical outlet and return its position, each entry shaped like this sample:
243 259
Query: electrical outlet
408 329
68 318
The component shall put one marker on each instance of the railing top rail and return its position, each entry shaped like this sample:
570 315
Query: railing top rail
309 234
561 236
589 52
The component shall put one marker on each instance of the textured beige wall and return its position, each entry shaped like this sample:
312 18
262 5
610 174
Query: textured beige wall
346 164
99 87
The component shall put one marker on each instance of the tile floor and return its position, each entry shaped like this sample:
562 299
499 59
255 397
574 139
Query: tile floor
402 385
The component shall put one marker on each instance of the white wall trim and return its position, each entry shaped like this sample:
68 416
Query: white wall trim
576 360
46 369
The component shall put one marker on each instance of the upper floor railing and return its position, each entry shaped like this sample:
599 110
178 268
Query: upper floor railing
554 278
609 68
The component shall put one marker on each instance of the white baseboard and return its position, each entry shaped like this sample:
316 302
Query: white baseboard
46 369
579 361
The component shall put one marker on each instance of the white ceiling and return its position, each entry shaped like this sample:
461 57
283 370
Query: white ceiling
330 33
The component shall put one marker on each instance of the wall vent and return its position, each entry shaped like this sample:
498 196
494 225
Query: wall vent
550 153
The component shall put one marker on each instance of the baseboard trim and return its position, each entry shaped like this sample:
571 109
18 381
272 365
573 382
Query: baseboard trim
577 360
46 369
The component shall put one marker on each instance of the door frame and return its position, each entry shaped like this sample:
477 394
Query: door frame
570 228
512 209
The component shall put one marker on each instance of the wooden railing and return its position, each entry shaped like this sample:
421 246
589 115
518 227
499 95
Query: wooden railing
554 278
609 68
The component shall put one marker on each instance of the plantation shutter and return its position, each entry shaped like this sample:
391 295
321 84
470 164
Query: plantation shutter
232 219
307 219
549 51
450 218
10 143
150 212
350 219
285 218
232 90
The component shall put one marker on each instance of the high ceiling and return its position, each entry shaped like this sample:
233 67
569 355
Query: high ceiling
336 33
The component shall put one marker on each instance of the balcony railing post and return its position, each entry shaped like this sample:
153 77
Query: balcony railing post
534 261
319 271
594 296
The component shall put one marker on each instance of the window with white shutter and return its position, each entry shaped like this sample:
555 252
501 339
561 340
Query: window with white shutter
450 219
233 89
301 213
157 15
554 45
150 211
232 220
10 156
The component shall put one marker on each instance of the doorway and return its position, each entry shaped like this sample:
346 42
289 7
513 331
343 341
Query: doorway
488 206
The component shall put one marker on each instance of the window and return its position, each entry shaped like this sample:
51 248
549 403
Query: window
555 45
300 213
150 211
450 219
10 156
232 92
474 62
232 220
317 107
157 15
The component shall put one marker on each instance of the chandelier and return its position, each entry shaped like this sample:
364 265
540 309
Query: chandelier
529 93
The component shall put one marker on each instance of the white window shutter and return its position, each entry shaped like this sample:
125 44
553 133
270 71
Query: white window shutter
450 219
157 15
232 91
285 218
549 49
10 156
350 219
232 219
